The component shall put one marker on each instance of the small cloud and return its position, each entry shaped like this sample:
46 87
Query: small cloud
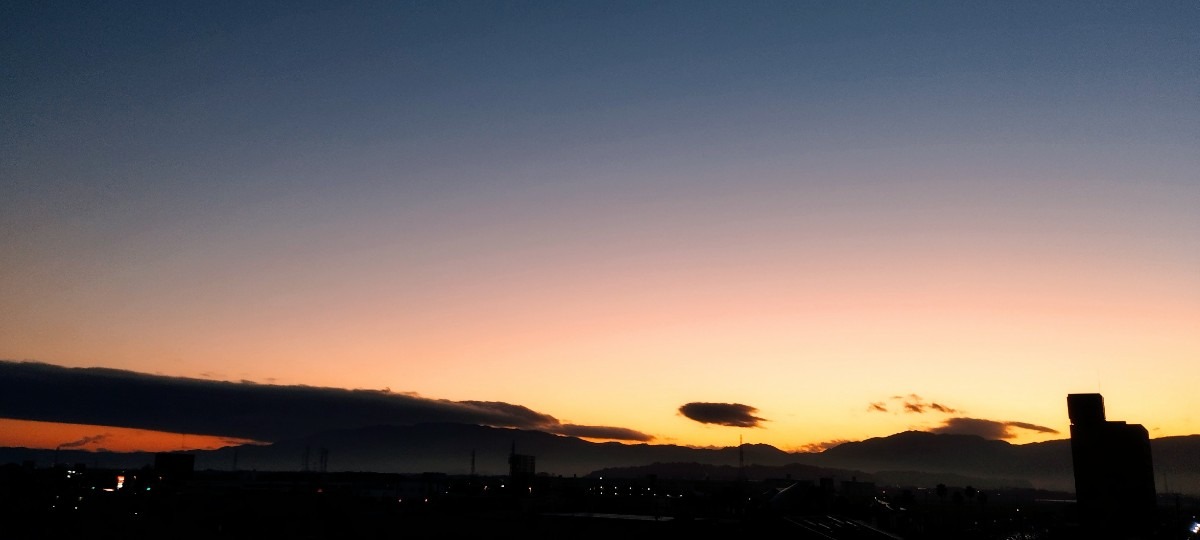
816 448
912 403
1031 427
942 408
231 441
84 441
725 414
988 429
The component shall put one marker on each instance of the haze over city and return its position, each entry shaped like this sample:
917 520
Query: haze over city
688 223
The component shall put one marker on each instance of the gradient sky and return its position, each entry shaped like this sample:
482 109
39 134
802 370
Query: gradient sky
605 210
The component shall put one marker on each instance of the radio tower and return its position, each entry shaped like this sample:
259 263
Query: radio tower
741 459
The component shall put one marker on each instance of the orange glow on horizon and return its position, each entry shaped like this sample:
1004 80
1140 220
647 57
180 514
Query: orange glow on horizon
51 435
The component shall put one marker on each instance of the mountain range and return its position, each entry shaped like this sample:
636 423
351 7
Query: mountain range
908 458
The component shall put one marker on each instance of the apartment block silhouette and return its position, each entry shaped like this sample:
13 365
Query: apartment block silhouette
1114 471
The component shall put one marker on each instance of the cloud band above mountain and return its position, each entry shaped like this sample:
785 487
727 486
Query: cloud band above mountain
988 429
35 391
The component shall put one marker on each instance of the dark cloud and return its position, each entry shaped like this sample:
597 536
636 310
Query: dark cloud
520 413
84 441
1032 427
602 432
988 429
549 423
263 412
942 408
725 414
912 403
822 446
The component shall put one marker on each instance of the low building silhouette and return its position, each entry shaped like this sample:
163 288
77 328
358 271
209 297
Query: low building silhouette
1114 471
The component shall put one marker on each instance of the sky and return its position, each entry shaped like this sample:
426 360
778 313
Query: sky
809 221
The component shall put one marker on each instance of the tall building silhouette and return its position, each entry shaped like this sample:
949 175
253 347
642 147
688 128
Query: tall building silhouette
521 469
1114 472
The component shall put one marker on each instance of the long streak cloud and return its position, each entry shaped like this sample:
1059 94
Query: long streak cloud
44 392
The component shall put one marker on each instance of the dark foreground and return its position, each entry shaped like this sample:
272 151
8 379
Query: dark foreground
66 502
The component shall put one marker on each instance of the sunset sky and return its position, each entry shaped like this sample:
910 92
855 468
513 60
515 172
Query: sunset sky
603 211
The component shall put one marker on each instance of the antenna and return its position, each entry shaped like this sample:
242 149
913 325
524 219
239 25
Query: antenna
741 458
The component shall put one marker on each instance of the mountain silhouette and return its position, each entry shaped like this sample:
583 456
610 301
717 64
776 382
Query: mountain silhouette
1046 465
448 447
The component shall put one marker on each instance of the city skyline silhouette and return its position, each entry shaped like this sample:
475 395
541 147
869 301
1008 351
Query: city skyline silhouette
700 493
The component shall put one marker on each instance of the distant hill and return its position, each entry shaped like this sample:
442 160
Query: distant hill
911 457
1045 465
98 460
448 448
